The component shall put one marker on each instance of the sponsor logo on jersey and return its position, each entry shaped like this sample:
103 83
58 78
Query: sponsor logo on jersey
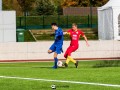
75 35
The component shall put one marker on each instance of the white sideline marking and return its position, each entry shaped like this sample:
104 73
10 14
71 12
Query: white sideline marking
74 82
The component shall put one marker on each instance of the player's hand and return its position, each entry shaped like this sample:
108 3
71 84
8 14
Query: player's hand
52 34
64 33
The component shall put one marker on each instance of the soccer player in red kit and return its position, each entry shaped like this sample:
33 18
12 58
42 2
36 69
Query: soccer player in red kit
75 34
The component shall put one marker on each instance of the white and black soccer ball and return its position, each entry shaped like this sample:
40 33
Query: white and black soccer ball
53 86
59 63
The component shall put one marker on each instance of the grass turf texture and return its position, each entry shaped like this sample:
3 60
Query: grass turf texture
84 73
28 37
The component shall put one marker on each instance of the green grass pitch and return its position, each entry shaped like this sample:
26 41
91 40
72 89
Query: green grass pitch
42 70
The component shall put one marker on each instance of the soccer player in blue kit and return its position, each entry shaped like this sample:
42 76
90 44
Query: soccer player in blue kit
56 47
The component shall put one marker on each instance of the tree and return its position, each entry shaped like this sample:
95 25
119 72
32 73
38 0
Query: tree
99 3
11 5
70 3
83 3
26 5
45 7
58 6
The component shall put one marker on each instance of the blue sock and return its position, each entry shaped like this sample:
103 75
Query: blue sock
55 62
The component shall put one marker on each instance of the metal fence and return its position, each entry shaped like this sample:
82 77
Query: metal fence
44 22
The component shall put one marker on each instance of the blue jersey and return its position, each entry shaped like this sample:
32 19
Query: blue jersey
58 37
57 45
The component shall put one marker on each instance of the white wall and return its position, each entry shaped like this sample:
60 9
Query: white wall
38 50
7 26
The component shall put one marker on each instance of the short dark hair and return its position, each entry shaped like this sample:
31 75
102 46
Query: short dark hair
55 24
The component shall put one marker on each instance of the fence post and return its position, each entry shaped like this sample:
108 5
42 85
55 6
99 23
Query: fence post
43 22
91 13
88 21
25 22
20 22
67 21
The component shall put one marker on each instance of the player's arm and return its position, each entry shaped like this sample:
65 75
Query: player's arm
66 33
53 34
86 40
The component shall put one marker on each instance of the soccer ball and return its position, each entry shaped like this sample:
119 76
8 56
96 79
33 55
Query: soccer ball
59 63
53 86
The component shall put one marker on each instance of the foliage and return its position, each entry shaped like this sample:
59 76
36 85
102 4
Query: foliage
26 5
97 3
83 3
41 7
58 6
45 7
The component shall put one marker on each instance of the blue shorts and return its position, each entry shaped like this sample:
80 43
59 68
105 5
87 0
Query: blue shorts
56 48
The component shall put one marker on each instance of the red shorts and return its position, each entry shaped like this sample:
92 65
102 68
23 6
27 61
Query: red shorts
69 50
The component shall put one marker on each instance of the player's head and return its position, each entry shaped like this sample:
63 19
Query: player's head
74 26
54 26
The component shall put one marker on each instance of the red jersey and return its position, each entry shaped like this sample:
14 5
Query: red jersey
74 36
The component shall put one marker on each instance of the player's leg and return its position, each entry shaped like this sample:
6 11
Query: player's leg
74 61
55 60
58 50
66 63
51 49
72 49
65 55
71 59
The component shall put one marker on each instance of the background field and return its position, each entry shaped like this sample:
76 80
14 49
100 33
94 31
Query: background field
86 72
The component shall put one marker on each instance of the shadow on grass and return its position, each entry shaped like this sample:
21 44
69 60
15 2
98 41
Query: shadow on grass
50 67
107 63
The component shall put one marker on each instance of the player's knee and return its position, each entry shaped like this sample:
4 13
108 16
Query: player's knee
55 55
65 56
49 51
69 54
